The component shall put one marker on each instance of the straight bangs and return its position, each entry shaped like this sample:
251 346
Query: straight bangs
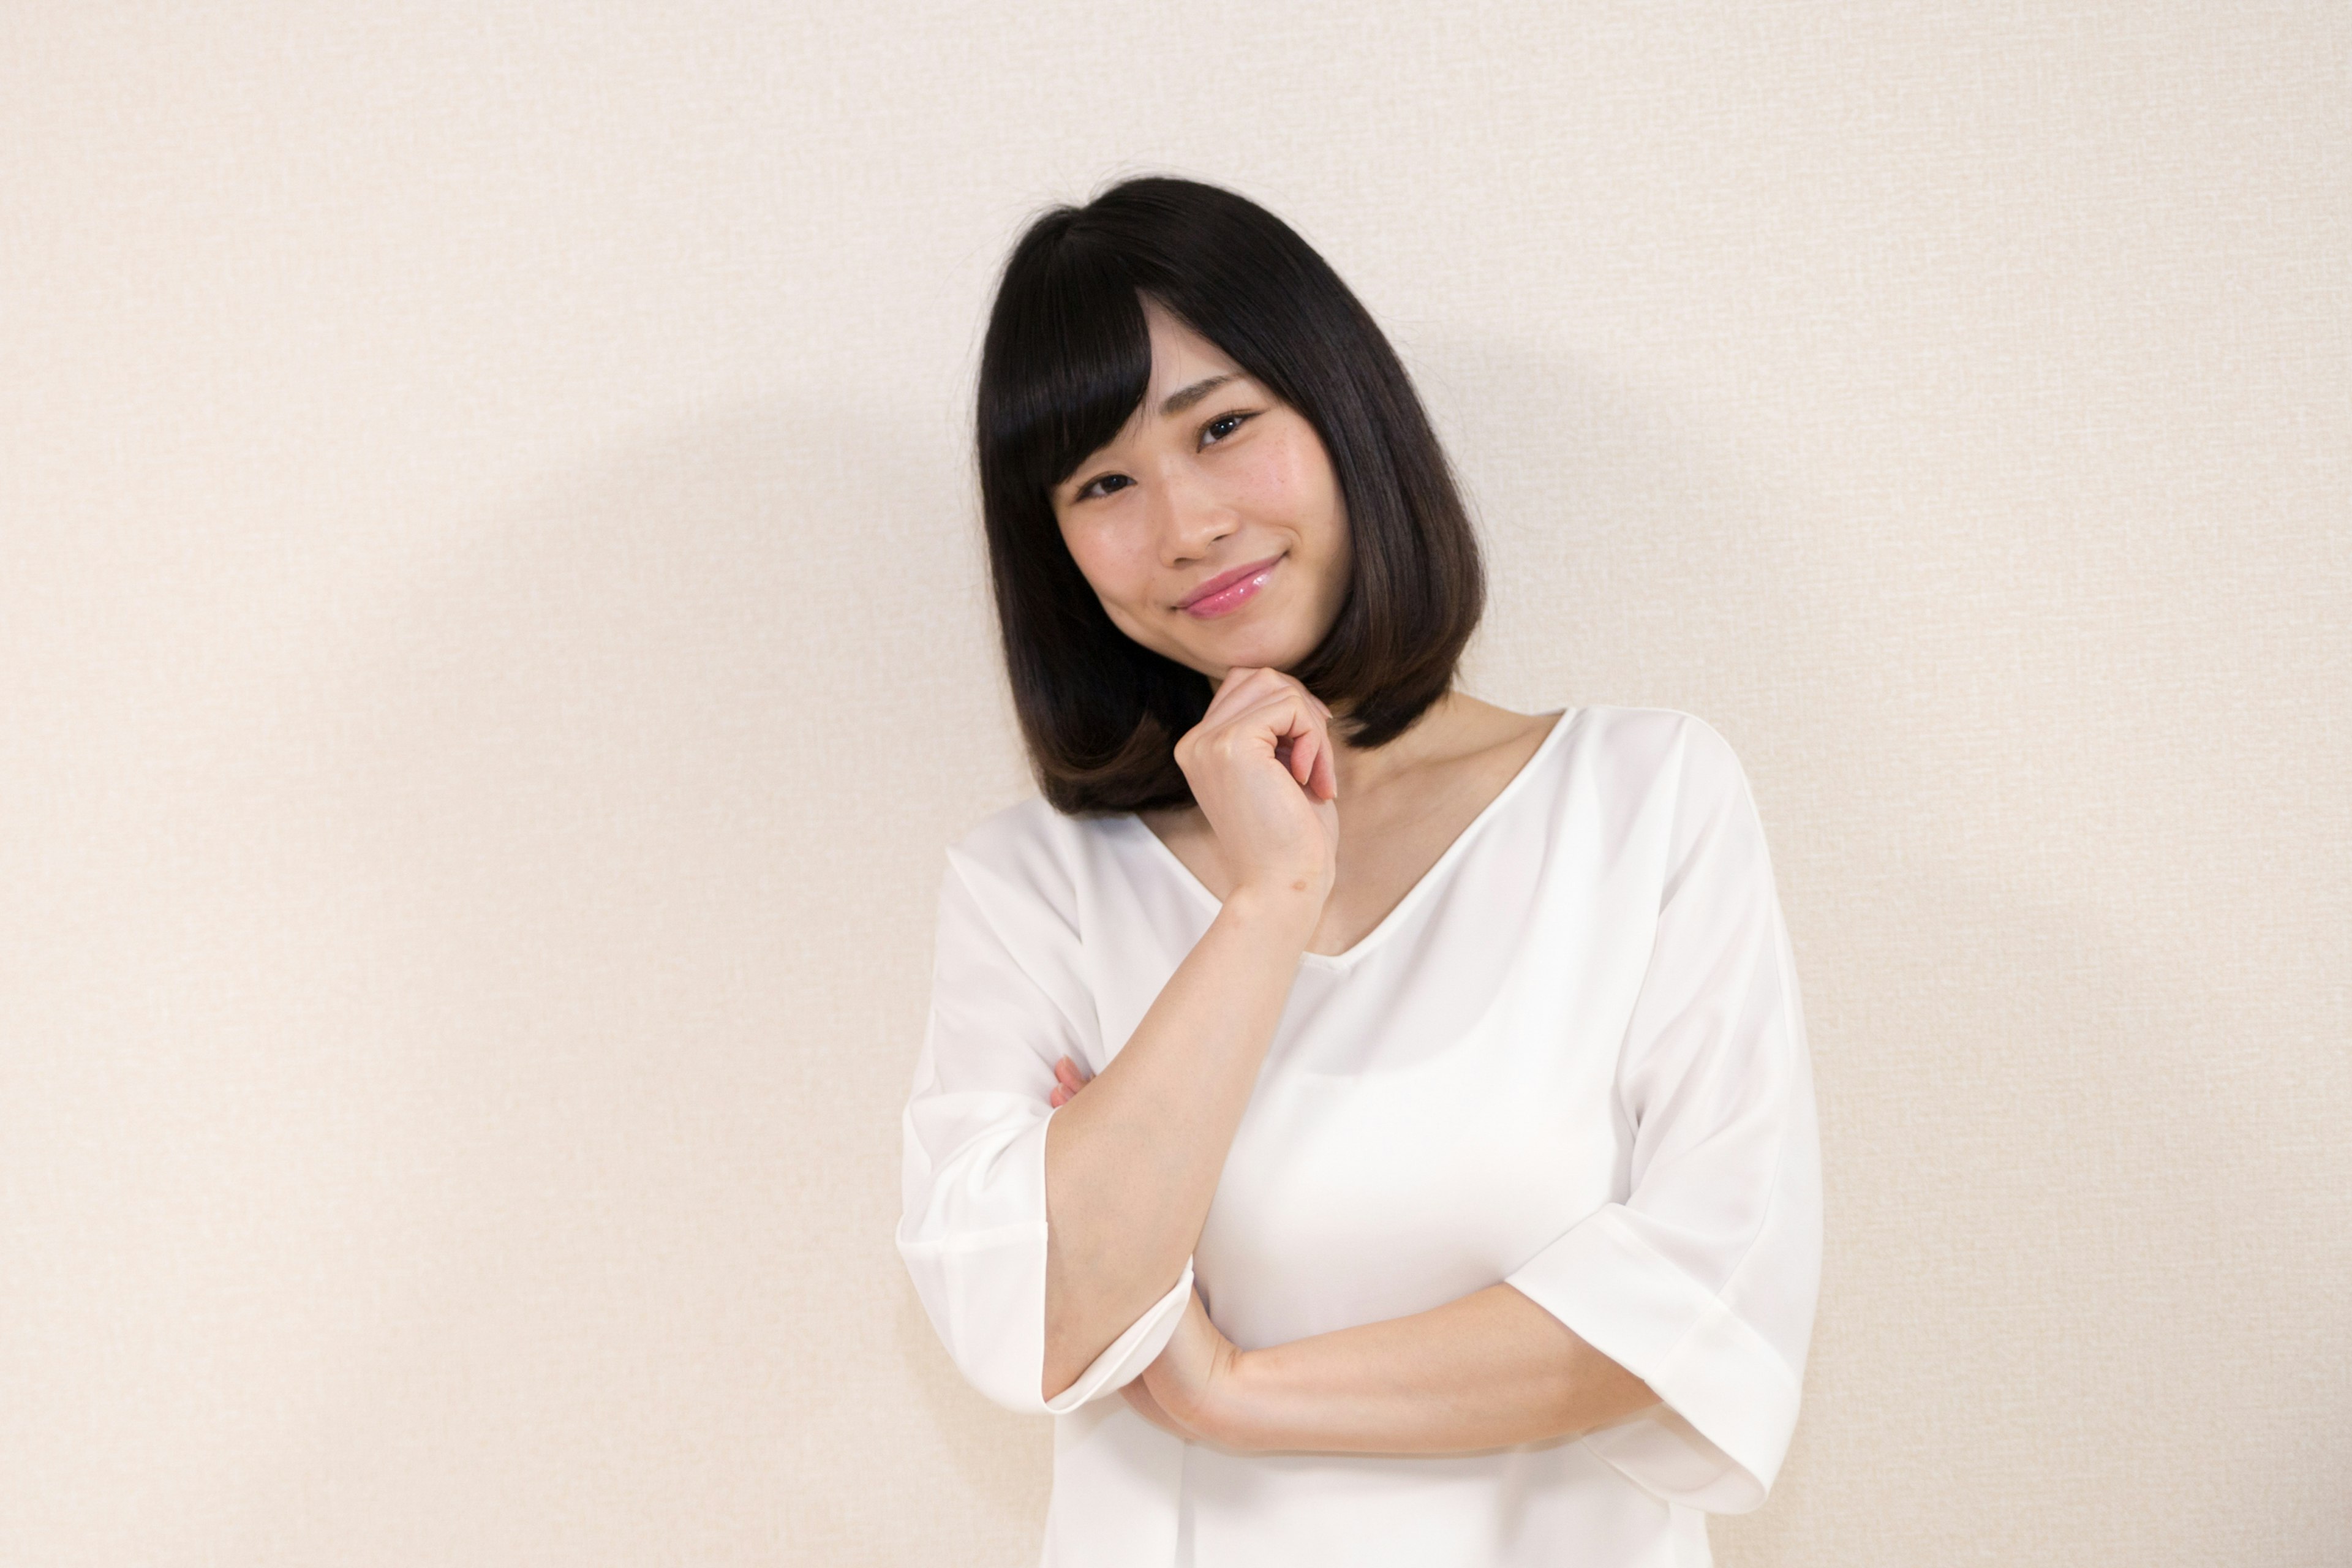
1069 359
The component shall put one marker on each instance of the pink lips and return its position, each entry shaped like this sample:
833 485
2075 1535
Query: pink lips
1229 591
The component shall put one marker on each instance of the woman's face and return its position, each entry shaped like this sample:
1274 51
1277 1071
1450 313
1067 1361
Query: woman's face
1211 526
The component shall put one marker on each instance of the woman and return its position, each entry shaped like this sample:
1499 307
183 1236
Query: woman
1375 1123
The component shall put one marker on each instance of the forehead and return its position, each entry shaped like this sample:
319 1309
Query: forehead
1180 356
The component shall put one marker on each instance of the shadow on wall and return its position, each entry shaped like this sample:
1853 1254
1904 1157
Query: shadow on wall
643 782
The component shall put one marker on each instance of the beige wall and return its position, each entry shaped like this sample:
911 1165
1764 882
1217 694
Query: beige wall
494 647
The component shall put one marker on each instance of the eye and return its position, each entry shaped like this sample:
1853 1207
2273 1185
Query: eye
1094 487
1223 426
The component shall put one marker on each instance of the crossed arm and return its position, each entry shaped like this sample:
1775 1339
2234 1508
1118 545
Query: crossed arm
1488 1369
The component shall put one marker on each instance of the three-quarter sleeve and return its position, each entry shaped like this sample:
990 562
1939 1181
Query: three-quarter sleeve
1008 998
1701 1282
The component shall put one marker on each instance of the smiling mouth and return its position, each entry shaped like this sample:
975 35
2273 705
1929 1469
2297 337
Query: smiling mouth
1228 591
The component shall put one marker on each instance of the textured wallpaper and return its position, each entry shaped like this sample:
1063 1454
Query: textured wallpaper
494 646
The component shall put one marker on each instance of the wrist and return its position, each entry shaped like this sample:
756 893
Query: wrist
1237 1416
1284 912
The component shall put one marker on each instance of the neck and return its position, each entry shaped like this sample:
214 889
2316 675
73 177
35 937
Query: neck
1360 770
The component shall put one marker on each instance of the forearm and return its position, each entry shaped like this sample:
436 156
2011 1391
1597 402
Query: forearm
1487 1371
1132 1164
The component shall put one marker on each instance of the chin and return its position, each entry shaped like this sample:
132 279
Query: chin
1268 653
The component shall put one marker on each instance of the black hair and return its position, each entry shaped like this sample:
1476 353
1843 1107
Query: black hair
1066 362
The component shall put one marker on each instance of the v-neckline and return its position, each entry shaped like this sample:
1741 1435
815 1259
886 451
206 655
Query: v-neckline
1348 955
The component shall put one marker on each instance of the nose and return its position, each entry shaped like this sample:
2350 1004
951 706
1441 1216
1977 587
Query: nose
1193 517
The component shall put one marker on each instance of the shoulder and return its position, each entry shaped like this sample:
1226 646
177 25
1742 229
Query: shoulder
1026 853
1654 774
1642 750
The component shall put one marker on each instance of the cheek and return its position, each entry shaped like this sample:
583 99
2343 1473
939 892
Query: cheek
1296 485
1280 475
1111 564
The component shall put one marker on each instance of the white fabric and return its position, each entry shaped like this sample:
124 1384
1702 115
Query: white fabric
1572 1059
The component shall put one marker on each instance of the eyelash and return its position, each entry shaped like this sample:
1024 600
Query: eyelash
1238 416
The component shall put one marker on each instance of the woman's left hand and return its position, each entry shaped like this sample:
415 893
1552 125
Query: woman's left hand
1190 1390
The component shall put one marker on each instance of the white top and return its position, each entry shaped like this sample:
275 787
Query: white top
1571 1059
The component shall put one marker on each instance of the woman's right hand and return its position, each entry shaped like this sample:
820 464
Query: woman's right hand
1259 763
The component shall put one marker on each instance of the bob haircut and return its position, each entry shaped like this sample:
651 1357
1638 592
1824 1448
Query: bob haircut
1066 362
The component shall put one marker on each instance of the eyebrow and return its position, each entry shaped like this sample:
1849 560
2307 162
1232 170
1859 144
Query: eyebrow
1175 403
1183 397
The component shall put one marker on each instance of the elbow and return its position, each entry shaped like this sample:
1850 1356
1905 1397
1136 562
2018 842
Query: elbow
1599 1391
1064 1360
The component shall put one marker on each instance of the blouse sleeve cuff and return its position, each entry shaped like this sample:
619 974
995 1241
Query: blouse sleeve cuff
1729 1400
1124 1361
979 1266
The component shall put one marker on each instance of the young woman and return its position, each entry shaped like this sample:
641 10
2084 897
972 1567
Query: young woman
1375 1123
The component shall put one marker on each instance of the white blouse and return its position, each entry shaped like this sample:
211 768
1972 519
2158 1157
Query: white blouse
1571 1059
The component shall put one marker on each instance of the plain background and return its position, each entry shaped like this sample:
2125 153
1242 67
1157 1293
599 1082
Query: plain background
494 645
